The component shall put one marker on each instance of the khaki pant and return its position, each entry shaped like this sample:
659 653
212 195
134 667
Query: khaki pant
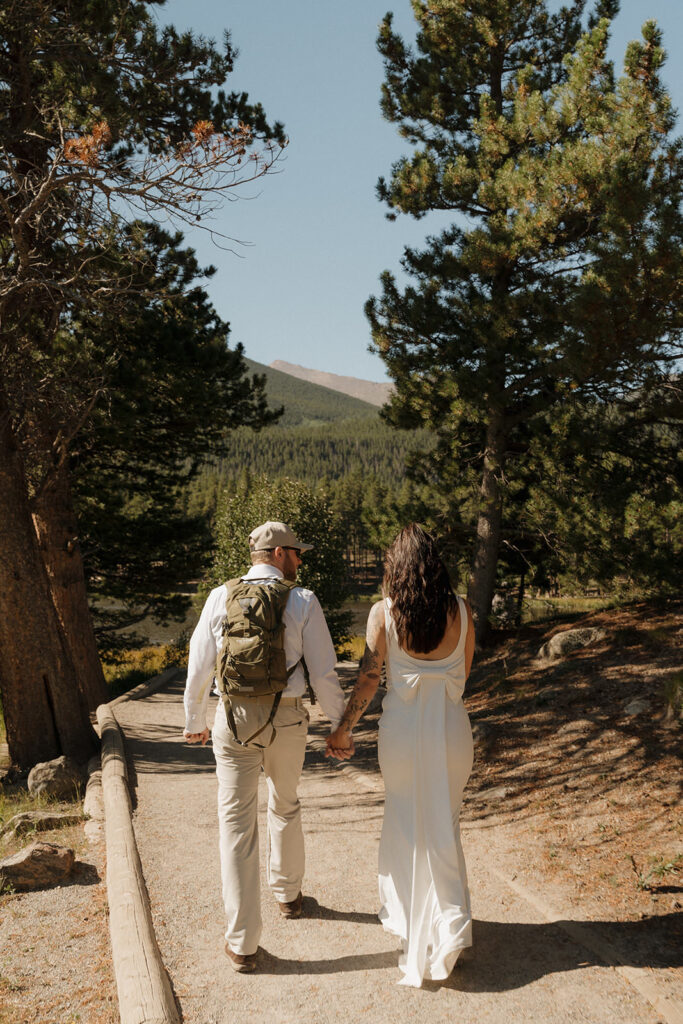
238 769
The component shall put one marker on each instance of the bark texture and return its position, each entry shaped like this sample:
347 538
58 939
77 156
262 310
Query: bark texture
55 524
485 560
44 714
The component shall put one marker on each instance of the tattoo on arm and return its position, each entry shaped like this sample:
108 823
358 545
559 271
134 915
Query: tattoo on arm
370 669
370 663
354 709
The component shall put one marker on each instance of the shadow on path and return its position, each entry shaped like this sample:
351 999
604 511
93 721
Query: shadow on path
313 909
270 964
508 955
504 956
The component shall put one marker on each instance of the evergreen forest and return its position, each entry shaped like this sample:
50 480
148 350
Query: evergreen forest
321 438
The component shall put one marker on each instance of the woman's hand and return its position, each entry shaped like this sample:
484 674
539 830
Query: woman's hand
340 744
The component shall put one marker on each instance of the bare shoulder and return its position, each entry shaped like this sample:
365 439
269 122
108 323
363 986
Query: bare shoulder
376 617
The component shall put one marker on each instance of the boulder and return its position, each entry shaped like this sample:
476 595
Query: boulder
38 821
562 644
61 779
577 727
637 707
39 866
493 793
498 793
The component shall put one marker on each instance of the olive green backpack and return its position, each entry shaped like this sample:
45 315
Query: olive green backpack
252 662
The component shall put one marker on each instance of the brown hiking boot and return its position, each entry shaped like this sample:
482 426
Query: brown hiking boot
292 909
241 962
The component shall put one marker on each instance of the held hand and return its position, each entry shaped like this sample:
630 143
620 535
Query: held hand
340 745
196 737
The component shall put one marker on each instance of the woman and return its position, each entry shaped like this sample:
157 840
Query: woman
425 753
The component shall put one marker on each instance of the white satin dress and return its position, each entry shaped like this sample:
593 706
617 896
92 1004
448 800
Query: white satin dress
425 754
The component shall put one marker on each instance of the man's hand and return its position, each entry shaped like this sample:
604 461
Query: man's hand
196 737
340 744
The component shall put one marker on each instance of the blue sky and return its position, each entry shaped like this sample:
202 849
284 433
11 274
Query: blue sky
318 238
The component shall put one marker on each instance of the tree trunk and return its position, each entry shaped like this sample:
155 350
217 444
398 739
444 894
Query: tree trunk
44 715
520 600
55 524
485 561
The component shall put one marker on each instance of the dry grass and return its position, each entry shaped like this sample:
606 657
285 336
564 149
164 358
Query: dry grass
125 669
353 651
542 609
17 800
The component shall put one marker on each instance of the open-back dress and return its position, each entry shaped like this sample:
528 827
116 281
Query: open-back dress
425 754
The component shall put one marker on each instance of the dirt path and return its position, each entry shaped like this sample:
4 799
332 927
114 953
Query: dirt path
336 962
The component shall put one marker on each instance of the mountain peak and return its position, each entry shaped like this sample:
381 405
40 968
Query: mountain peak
367 390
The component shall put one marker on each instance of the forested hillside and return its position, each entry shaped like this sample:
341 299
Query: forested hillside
305 403
322 435
331 450
366 390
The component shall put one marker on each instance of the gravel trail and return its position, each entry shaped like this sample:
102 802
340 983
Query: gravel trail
336 962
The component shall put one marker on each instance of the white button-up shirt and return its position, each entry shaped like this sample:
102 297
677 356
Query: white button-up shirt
306 633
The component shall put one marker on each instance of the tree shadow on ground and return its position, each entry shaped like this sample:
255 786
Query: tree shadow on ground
160 749
510 955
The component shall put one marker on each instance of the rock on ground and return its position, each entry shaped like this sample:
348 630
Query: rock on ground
38 866
569 640
61 778
38 821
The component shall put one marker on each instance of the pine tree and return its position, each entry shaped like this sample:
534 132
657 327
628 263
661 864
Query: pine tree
561 273
102 115
609 511
174 394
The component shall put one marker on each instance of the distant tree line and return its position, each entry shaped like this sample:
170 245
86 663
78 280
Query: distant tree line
323 453
595 504
308 405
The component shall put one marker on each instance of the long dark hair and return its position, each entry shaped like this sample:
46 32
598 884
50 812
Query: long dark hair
417 581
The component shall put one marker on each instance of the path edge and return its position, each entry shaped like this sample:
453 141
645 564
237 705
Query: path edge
640 978
151 686
144 990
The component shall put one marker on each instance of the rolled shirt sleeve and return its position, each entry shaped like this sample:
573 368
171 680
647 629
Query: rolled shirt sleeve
320 658
204 648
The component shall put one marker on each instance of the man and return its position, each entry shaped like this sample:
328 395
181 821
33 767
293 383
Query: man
275 555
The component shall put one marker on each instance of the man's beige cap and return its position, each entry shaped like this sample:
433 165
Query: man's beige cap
275 535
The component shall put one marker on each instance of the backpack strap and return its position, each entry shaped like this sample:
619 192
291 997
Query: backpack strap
233 725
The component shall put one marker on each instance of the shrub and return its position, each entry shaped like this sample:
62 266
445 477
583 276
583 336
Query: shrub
310 515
